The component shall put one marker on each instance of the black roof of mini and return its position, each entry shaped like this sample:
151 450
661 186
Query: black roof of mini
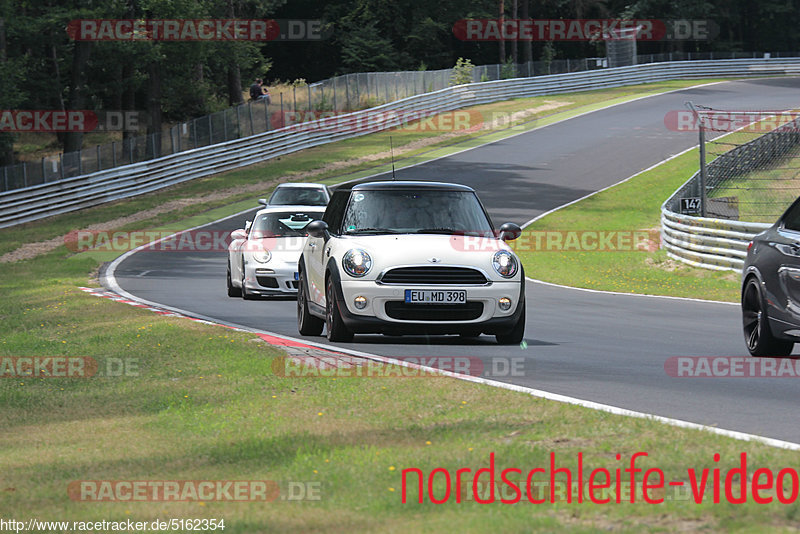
407 185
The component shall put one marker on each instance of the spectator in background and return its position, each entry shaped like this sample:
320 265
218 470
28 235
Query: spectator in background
256 90
265 94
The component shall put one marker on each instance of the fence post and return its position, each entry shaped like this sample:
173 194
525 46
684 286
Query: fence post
210 141
282 106
61 164
238 122
5 177
347 91
44 174
266 115
130 148
250 112
153 145
113 153
172 140
358 96
194 132
80 162
224 124
99 167
294 98
308 105
24 175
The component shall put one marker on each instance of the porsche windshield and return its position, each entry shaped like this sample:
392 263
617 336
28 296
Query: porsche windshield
298 196
425 211
283 224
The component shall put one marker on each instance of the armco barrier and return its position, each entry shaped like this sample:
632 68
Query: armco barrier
716 244
721 244
33 203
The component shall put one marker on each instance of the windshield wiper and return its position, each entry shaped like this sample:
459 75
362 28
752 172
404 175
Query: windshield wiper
436 231
372 231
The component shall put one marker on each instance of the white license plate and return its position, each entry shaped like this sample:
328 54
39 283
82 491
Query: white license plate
444 296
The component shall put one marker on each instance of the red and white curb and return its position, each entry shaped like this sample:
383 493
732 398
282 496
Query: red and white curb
297 347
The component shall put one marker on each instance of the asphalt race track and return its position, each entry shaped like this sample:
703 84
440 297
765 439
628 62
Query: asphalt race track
594 346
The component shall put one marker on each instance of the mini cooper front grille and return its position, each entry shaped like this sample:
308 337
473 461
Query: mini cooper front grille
397 309
434 275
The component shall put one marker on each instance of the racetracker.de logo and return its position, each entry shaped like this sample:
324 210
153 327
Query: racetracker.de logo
48 120
173 30
173 490
731 367
583 30
730 121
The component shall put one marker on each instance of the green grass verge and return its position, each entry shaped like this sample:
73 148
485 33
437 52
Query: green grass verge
207 405
632 206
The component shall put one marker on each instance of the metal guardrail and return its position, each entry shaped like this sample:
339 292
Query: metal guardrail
717 244
721 244
37 202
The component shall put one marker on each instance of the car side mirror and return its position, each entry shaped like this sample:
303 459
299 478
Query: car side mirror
239 234
262 201
510 231
317 229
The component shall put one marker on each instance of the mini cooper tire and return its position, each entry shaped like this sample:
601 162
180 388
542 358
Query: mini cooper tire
517 334
336 329
307 324
755 324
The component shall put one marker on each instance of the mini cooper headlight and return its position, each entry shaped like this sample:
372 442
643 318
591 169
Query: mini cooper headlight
504 263
356 262
262 255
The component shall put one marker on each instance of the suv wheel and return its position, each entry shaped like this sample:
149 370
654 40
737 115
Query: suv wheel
755 323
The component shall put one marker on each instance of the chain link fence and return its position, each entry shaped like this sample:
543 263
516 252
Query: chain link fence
754 169
297 103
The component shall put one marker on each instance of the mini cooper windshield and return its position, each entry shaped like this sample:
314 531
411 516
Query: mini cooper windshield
283 224
415 212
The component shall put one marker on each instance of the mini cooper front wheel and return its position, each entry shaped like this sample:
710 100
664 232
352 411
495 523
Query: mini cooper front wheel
307 324
516 335
337 331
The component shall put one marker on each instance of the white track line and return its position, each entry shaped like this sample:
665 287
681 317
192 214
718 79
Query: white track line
110 279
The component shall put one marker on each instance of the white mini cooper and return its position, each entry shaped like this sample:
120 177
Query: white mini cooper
410 258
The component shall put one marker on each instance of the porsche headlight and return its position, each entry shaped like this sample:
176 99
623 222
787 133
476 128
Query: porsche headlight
504 263
356 262
262 255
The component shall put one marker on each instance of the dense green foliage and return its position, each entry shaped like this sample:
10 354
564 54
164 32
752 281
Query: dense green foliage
42 68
